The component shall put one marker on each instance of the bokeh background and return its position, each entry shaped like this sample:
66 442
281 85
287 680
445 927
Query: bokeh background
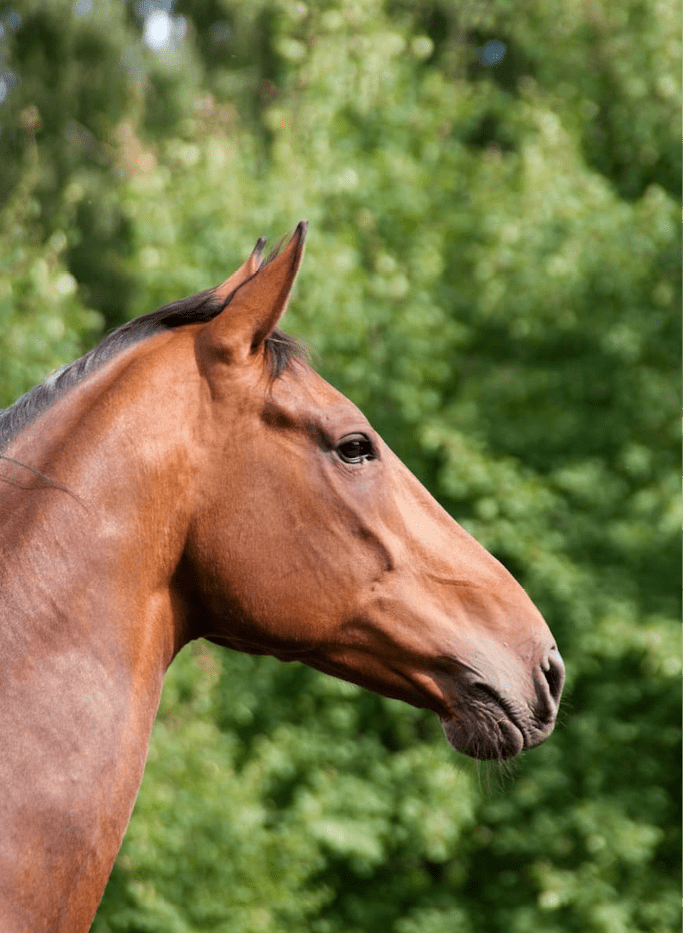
492 274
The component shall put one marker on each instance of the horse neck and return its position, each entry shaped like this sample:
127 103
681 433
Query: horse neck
93 523
89 621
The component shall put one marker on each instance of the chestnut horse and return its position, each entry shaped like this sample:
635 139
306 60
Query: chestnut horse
193 477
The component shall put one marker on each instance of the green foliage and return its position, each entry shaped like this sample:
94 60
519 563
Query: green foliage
492 275
43 324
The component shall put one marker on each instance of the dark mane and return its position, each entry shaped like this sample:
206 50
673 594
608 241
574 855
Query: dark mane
198 309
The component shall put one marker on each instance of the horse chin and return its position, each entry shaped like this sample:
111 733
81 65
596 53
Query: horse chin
486 741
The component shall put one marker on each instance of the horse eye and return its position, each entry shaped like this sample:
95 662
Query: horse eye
356 449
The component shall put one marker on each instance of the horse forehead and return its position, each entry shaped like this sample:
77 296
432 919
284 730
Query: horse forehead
302 392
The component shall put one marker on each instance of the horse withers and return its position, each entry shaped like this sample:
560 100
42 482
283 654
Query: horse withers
193 477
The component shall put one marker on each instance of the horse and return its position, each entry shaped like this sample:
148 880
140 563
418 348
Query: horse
193 477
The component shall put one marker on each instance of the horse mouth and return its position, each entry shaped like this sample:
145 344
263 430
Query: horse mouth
486 727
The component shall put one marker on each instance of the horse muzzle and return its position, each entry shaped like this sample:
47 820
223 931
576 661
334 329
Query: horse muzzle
491 718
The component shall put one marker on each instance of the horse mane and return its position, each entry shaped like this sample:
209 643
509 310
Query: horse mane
197 309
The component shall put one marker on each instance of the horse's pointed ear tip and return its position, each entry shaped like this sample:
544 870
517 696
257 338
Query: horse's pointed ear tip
256 257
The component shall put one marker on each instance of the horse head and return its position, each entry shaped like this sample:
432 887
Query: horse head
310 540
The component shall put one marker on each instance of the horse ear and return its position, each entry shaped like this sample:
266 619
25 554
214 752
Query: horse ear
260 298
245 271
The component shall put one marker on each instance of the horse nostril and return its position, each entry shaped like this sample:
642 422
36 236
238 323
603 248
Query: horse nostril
553 672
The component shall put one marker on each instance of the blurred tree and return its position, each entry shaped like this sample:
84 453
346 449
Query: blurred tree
491 275
69 90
